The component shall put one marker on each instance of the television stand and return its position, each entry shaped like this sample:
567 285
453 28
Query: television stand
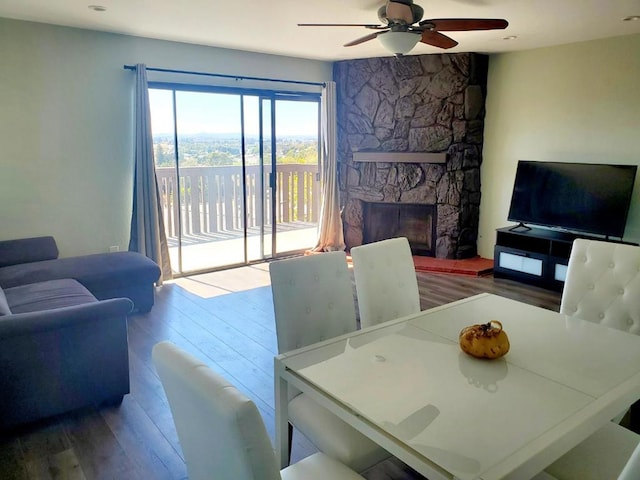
536 255
533 255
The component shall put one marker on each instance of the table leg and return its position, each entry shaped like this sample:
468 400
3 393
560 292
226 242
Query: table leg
282 417
634 418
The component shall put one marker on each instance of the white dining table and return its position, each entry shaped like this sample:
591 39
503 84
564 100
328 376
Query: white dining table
407 385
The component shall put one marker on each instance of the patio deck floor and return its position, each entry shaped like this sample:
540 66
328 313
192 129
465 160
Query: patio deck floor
221 249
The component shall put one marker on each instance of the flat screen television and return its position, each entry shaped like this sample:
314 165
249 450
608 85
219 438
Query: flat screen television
580 197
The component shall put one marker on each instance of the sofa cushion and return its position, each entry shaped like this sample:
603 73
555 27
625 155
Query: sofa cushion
106 275
4 306
48 295
100 271
27 250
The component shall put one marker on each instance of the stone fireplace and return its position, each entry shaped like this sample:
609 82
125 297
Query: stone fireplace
410 133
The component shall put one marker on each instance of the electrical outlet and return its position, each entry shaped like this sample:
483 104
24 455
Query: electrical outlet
114 248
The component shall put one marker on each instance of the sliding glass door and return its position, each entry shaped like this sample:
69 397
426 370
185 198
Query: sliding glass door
237 171
297 185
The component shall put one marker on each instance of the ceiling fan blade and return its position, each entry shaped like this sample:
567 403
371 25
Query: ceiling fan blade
437 39
366 25
360 40
464 24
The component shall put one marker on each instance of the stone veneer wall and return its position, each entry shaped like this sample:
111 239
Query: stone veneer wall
425 103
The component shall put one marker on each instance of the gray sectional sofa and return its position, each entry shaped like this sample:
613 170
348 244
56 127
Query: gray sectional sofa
63 337
106 275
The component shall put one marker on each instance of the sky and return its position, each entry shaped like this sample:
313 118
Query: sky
199 112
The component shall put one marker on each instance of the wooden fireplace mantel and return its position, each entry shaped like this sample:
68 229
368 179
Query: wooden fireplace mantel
400 157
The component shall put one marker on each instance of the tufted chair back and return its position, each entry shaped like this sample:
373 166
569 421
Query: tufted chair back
220 430
603 284
222 434
386 281
312 299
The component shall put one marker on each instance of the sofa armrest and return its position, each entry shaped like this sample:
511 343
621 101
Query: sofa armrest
27 250
46 320
58 360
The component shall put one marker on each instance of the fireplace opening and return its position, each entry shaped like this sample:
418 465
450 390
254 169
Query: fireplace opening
388 220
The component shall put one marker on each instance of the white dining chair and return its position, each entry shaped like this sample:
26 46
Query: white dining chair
313 301
603 284
611 453
221 431
386 282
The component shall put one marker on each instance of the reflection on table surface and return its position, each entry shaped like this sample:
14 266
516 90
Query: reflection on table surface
410 379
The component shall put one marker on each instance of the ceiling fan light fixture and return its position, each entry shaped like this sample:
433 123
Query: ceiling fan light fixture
399 43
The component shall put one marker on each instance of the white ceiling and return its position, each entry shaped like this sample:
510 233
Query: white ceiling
270 26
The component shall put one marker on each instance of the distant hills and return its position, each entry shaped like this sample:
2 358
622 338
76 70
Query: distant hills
212 136
219 149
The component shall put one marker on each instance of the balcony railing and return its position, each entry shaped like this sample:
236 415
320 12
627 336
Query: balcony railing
211 198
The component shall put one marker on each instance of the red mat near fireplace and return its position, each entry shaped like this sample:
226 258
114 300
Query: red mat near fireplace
476 266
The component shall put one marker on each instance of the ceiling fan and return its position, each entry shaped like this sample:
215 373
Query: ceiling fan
403 27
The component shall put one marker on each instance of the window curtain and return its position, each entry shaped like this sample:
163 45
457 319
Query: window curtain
330 233
147 226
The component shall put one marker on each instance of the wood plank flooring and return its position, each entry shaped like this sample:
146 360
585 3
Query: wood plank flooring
226 319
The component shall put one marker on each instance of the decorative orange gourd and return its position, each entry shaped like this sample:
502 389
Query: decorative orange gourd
486 340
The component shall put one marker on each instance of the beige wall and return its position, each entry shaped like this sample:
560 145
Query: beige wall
66 122
573 103
66 106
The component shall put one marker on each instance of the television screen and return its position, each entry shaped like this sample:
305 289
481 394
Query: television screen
583 197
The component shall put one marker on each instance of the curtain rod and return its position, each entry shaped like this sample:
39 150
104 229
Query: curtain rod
220 75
